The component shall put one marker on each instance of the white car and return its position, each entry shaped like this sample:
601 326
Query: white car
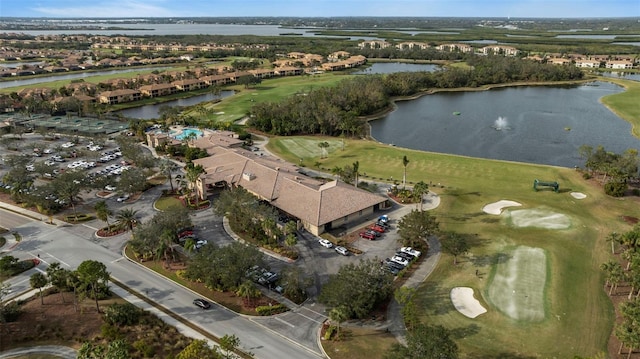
400 260
110 187
47 151
67 145
325 243
342 250
411 251
122 198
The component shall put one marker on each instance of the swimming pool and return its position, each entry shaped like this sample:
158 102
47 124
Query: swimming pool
186 133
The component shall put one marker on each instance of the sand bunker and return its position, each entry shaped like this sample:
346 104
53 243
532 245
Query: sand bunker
540 218
578 195
496 207
462 298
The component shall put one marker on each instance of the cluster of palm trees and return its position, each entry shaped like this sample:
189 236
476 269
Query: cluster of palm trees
627 330
126 217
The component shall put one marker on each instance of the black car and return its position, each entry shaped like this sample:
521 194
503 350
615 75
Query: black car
389 263
201 303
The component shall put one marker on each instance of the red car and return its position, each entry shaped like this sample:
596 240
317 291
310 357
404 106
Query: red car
186 233
377 228
368 236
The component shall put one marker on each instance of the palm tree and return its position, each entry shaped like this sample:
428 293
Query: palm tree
356 167
193 175
168 167
248 291
338 315
405 162
58 277
103 212
189 244
614 274
39 281
419 190
127 217
613 237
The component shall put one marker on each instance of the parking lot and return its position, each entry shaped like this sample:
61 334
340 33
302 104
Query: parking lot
47 158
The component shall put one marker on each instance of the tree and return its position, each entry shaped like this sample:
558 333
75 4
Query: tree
93 274
248 291
133 180
425 342
68 185
168 167
39 281
416 227
614 238
290 240
199 349
405 162
127 217
193 175
103 212
295 283
359 288
58 277
419 190
356 167
455 244
338 315
229 343
323 146
614 274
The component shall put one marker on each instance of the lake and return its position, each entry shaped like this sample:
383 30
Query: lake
544 125
72 75
391 67
152 111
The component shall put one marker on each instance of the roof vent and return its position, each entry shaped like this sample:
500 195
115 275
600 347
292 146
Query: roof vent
248 176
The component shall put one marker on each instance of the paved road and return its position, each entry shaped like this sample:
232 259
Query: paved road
59 351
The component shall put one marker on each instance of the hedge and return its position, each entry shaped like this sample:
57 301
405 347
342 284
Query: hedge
271 309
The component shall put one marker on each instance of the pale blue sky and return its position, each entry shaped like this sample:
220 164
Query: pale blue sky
322 8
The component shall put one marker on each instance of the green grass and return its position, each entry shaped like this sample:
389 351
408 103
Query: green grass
578 313
165 202
359 343
625 104
236 107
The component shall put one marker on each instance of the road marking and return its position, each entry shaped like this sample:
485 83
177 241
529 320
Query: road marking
88 226
52 256
313 311
311 319
285 322
117 260
40 270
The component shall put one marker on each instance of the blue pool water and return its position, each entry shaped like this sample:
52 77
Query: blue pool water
186 132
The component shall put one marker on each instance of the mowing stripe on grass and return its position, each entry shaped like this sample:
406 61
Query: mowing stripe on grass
538 217
517 287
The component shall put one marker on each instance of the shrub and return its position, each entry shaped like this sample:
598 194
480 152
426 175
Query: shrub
122 314
10 312
635 192
615 188
110 332
81 217
271 309
328 334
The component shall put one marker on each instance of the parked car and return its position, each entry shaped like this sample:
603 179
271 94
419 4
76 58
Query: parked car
342 250
371 231
385 225
367 235
377 228
400 260
201 243
384 218
325 243
268 278
393 270
406 256
203 304
411 251
122 198
110 187
389 263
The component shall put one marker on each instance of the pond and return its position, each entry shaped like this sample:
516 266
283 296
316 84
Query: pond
391 67
544 125
73 75
152 111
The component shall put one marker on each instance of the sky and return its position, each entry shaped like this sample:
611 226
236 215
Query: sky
319 8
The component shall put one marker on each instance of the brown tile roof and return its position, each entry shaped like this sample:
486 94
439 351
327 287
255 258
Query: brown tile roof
279 182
